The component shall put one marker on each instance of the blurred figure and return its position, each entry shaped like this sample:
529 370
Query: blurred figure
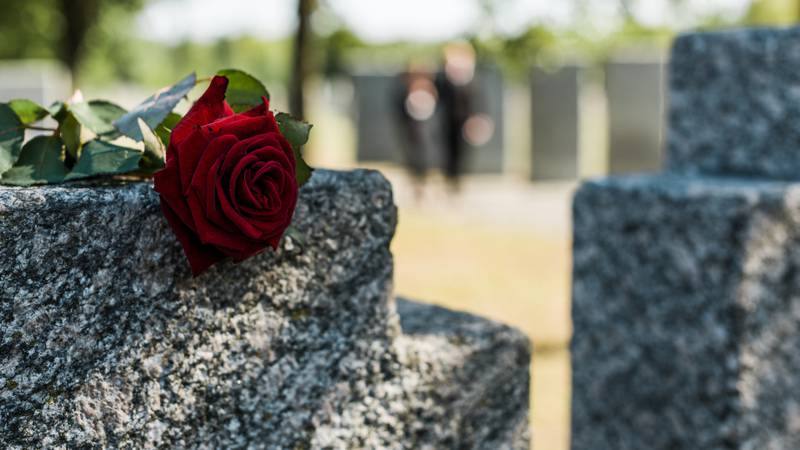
455 86
415 103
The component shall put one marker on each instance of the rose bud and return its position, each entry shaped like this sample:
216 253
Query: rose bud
229 187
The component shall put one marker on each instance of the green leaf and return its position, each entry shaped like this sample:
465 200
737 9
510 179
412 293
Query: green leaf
155 109
57 110
70 131
164 130
104 158
28 111
154 151
98 116
244 91
296 132
38 163
11 136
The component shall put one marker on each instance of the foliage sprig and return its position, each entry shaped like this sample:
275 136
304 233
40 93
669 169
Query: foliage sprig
100 138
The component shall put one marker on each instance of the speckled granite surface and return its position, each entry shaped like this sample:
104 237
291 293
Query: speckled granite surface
106 341
734 103
467 375
686 309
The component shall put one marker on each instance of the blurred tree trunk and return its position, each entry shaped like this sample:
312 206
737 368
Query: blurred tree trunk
300 59
79 17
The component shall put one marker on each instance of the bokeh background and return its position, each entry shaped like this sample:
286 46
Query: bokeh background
564 90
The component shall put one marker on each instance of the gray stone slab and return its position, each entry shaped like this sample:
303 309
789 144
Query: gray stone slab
490 157
107 341
463 382
635 115
735 103
556 116
686 314
42 81
380 137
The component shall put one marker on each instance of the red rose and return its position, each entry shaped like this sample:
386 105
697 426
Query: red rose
229 187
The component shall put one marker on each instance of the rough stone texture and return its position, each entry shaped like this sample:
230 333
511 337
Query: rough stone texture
476 368
686 309
735 103
106 340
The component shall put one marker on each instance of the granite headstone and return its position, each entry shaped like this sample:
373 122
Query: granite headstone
107 341
685 283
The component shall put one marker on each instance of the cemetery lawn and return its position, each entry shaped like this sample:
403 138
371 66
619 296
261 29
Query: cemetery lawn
500 250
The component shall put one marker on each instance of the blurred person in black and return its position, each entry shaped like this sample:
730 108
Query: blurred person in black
456 96
415 102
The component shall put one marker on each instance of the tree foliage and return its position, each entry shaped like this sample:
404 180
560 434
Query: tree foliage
57 28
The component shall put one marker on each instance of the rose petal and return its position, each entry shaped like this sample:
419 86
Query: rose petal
242 126
265 160
235 180
245 194
213 209
215 150
189 153
260 110
237 219
167 183
250 226
251 144
200 256
229 243
199 195
208 108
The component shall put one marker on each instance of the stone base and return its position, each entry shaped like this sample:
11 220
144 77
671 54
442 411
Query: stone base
455 381
686 314
471 374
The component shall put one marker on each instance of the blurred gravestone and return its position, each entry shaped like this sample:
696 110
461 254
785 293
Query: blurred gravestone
686 312
635 114
38 80
380 137
555 103
488 158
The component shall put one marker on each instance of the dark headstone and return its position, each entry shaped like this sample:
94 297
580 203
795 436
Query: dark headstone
635 115
556 116
685 306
